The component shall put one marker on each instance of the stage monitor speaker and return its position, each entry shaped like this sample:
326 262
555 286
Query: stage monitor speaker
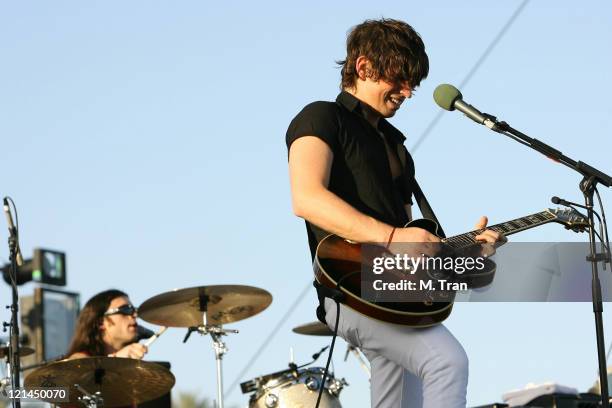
48 320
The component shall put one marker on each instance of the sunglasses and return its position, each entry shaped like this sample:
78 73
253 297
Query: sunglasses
126 310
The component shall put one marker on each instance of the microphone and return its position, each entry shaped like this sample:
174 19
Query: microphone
602 225
12 231
449 98
557 200
560 201
317 355
143 333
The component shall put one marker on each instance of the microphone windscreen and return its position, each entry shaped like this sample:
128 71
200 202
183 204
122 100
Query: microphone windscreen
143 333
445 96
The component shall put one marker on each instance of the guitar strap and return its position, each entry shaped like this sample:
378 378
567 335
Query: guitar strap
413 186
424 206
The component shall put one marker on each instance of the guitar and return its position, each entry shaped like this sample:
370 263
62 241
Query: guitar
340 260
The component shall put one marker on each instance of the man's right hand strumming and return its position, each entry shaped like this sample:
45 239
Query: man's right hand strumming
421 241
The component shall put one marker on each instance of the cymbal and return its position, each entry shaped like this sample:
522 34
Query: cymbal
121 381
314 329
23 351
224 304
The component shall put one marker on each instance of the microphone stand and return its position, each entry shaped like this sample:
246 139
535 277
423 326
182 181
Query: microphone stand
591 177
14 325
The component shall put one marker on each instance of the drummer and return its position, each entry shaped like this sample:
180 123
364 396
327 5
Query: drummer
107 327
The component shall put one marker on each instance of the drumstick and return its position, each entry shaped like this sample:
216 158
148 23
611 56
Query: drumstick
151 339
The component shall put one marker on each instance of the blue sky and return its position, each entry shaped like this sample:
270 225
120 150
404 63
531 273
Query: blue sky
146 139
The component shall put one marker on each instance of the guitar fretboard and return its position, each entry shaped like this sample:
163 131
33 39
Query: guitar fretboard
506 228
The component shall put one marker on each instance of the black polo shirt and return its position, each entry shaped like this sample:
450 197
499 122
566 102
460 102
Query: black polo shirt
360 172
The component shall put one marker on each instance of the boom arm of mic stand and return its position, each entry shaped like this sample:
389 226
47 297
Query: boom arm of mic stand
552 153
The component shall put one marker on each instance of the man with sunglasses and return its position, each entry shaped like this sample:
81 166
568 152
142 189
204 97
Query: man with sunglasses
107 327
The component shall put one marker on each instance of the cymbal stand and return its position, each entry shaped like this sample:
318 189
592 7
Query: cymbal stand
215 332
90 400
357 353
5 383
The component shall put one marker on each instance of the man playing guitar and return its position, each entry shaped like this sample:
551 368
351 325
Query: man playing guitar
351 176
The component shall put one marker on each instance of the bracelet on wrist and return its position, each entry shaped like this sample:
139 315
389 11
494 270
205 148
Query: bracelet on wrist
390 237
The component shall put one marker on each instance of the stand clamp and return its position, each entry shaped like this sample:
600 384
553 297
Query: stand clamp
90 400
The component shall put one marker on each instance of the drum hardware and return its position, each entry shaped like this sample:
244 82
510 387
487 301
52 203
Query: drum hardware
337 385
215 332
252 385
291 388
104 381
271 400
224 303
43 363
219 347
90 400
23 351
359 355
295 386
4 384
205 309
5 350
319 329
313 329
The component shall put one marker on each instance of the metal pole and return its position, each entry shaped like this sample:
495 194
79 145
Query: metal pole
220 350
219 356
588 186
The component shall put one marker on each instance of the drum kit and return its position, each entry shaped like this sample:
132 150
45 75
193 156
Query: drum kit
103 381
295 387
95 382
298 386
114 382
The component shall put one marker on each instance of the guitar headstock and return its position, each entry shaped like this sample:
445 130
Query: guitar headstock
571 218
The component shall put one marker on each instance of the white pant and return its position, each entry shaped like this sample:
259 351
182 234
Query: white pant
411 368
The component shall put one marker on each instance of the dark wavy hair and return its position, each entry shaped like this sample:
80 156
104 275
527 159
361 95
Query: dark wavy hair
87 336
395 50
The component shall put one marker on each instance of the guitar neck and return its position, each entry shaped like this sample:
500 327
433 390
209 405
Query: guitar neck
506 228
